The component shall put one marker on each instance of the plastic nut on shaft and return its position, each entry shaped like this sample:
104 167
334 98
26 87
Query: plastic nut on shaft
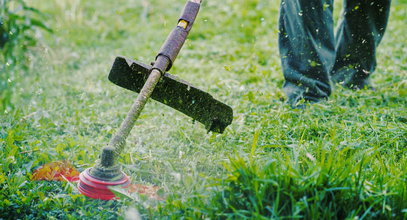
108 157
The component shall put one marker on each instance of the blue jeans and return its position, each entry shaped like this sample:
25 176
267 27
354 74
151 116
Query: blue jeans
312 56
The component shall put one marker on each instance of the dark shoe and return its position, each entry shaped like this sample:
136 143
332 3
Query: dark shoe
348 78
298 98
361 84
297 101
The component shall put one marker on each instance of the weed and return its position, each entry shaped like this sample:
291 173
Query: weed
19 25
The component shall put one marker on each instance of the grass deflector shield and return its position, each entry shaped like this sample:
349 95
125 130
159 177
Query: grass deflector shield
153 81
174 92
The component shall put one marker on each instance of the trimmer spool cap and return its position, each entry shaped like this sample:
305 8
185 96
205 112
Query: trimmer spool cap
98 188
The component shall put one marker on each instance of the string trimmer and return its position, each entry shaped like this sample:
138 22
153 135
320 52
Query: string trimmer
153 81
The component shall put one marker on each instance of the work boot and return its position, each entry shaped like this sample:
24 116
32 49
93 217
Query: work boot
362 84
352 79
298 97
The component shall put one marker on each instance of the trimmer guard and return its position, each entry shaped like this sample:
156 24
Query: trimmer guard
174 92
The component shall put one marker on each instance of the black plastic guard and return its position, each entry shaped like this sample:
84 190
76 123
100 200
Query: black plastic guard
176 93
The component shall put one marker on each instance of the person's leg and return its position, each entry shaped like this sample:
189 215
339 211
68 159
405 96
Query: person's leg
358 34
306 43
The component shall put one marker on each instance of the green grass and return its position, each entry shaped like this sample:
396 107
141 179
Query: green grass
343 158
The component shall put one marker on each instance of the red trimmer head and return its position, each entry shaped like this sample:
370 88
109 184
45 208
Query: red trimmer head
95 182
99 188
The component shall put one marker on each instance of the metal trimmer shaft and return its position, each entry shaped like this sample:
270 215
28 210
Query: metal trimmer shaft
95 182
163 62
176 93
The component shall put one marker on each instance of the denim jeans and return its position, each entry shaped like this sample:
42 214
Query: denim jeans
313 56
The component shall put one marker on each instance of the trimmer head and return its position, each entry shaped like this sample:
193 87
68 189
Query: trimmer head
95 182
176 93
99 188
96 188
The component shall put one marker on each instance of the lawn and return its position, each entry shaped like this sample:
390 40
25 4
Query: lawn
341 158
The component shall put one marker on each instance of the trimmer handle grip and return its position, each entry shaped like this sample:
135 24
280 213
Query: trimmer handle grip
169 51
